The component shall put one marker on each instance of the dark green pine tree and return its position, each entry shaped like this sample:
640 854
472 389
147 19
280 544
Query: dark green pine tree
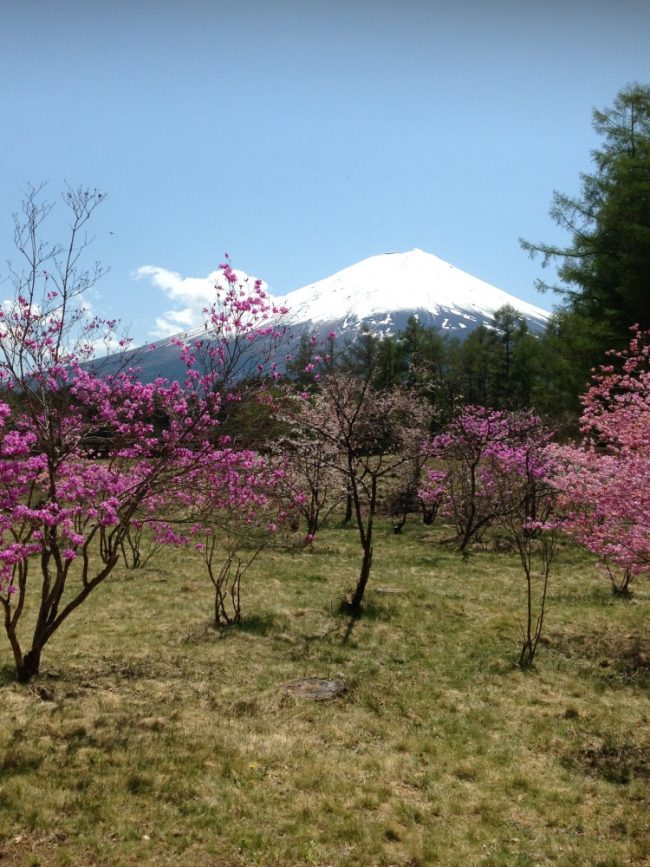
423 353
558 365
480 361
513 381
360 357
297 365
605 269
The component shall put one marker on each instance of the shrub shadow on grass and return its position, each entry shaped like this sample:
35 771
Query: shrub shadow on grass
314 578
7 675
372 610
599 594
344 624
256 624
18 761
124 669
611 760
617 660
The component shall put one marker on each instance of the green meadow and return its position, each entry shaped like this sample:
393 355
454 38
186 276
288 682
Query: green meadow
151 738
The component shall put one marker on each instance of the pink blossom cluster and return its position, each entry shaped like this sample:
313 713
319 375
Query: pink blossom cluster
604 483
83 456
480 463
55 498
222 487
241 332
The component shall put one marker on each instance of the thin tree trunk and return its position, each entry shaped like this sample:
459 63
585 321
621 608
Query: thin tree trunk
357 597
365 533
348 507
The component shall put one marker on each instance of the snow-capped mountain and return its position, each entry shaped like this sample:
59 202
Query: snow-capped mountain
382 292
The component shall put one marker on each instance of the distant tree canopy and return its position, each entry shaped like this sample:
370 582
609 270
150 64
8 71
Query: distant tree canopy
497 365
605 268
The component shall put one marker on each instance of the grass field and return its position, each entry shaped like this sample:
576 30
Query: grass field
150 738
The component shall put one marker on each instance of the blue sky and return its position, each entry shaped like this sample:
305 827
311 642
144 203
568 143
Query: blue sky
302 136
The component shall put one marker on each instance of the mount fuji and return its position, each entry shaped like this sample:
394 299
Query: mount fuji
382 292
379 294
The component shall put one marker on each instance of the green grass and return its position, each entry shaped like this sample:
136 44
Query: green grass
150 738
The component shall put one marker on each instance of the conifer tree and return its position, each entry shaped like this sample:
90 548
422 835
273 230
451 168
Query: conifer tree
604 269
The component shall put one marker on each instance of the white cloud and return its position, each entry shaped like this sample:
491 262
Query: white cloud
189 295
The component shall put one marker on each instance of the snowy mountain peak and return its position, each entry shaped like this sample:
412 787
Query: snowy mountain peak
381 294
410 283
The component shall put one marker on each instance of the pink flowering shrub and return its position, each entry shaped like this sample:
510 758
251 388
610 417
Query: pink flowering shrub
431 494
228 506
604 483
240 336
310 458
523 470
496 467
65 515
466 457
360 436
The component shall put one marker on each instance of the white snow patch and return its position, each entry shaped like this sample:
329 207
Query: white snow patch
400 281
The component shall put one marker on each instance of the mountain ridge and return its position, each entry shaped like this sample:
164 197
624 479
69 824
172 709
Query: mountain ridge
373 290
378 294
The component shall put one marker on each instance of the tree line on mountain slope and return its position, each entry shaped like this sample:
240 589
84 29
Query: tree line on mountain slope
502 366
